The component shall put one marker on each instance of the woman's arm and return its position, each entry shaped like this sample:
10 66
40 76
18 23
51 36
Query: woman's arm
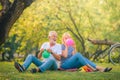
65 52
74 51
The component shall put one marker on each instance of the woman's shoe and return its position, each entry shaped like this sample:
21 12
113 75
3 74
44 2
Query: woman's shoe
107 69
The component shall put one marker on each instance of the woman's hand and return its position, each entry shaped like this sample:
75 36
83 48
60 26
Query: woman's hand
74 46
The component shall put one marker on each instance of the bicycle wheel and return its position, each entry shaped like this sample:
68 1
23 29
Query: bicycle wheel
114 53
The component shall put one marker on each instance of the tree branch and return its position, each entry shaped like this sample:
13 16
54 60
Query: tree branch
5 7
81 38
101 42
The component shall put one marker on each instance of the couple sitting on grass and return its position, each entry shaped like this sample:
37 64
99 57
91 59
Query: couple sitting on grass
67 55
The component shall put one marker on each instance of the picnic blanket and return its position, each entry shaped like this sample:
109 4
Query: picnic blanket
82 69
69 70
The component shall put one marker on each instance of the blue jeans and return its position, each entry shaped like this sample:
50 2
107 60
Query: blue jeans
43 66
76 61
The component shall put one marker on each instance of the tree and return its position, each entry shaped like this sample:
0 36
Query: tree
94 19
9 47
9 13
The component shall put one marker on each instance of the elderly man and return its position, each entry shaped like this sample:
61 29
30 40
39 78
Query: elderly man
49 63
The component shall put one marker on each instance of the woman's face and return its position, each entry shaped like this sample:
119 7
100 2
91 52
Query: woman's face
65 38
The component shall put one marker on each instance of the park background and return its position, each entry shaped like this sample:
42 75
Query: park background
83 19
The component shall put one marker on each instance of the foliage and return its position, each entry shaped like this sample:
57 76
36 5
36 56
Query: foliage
0 6
10 47
97 19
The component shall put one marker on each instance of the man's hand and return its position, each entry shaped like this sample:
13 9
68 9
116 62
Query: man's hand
58 57
40 53
41 50
49 50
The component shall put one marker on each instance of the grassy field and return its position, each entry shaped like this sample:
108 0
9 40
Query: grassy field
8 72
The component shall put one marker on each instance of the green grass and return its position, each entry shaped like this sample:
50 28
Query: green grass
8 72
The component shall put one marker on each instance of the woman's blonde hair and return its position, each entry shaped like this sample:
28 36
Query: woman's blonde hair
66 34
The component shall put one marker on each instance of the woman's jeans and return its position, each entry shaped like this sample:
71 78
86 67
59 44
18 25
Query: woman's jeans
43 66
76 61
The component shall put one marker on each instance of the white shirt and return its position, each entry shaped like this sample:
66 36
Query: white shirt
56 49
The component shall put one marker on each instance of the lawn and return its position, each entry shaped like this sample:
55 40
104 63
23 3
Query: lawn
8 72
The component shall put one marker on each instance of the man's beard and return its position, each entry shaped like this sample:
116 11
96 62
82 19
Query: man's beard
53 41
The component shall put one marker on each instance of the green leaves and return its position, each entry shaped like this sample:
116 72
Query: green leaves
97 19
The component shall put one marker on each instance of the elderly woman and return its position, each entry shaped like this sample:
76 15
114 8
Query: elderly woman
71 59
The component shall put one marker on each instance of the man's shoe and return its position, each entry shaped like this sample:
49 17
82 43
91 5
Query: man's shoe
19 67
34 70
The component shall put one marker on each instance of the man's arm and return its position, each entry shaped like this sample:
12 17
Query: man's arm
40 53
57 56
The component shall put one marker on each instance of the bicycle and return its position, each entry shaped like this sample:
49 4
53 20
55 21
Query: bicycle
113 50
114 53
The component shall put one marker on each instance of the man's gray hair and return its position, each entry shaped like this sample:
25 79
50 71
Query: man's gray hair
52 32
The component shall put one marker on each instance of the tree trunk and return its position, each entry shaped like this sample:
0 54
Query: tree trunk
9 14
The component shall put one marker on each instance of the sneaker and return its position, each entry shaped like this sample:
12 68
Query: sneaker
34 70
19 67
107 69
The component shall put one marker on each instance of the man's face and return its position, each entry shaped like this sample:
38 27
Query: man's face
53 38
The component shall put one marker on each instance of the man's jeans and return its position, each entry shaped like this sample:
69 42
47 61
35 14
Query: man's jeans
43 66
76 61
